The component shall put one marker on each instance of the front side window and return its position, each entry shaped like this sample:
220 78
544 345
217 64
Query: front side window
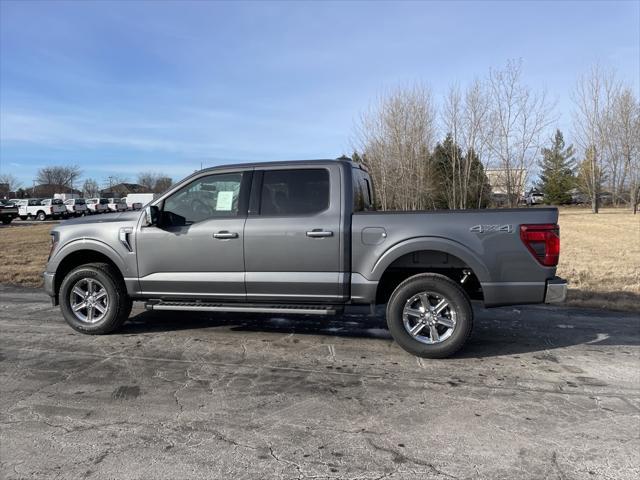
294 192
206 197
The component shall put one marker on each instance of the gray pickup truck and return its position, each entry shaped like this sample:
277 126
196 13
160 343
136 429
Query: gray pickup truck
304 238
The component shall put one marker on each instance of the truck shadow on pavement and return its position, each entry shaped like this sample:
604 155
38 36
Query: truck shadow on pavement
498 331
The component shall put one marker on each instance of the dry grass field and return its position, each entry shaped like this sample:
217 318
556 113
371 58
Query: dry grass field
600 257
23 253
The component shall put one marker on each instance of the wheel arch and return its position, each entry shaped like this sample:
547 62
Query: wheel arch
82 252
422 255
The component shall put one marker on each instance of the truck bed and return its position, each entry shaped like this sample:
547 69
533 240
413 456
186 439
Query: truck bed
486 241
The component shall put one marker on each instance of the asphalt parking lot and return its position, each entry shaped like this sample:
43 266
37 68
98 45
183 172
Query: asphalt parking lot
539 392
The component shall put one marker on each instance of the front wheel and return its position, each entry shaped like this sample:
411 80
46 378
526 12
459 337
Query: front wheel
7 220
93 299
430 316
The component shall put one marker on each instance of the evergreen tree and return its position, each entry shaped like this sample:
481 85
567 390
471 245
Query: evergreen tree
557 176
459 179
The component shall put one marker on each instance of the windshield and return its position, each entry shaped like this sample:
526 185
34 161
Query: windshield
104 201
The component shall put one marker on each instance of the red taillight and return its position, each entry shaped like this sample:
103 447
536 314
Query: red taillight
543 241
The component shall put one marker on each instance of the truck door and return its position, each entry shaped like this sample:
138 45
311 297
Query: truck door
293 235
197 248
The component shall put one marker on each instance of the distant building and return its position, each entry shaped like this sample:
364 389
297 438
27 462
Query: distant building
48 190
123 189
498 180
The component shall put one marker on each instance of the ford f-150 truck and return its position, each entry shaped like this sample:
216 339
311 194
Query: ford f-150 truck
40 208
303 237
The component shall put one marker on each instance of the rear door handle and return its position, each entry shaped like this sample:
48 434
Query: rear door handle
318 233
224 234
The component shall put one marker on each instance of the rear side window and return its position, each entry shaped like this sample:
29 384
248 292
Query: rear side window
295 192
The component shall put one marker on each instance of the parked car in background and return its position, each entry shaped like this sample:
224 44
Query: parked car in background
76 207
8 211
534 197
135 201
117 205
97 205
34 208
56 208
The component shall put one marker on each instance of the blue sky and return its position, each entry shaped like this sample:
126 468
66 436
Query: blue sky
119 87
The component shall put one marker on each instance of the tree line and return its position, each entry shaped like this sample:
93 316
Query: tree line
497 130
61 179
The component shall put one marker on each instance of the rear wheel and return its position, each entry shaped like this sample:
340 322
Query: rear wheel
41 216
430 316
7 220
93 299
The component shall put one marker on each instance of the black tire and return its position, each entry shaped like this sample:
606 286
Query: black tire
119 303
23 217
457 301
7 221
41 216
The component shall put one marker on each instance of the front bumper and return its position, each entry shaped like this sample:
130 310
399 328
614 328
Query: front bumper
556 291
49 285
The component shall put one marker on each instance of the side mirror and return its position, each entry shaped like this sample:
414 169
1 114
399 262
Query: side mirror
151 215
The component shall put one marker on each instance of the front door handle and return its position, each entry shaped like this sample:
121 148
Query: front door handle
318 233
224 234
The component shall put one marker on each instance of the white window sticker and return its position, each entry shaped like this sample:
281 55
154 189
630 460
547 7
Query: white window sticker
224 202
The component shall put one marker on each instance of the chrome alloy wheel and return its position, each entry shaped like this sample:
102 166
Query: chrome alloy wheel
89 300
429 317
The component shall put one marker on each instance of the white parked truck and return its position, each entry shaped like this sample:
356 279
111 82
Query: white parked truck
76 207
117 205
97 205
40 209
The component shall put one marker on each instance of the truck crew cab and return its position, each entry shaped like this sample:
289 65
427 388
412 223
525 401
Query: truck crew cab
303 237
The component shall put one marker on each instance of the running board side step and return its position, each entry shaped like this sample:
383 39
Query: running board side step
247 308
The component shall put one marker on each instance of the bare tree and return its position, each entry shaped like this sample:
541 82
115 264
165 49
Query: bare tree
466 119
624 138
163 183
11 181
396 137
90 188
63 176
156 182
594 98
519 117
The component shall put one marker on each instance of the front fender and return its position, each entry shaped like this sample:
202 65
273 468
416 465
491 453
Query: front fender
89 244
438 244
